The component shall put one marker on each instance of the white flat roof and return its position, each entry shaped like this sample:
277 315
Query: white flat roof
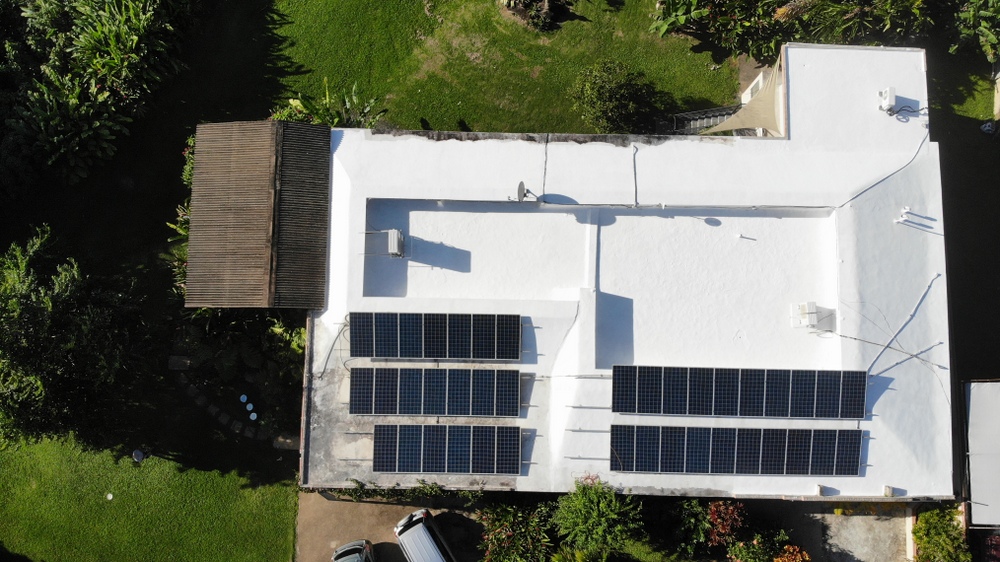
683 251
984 451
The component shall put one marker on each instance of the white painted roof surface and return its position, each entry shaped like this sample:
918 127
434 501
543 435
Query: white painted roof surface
684 251
984 451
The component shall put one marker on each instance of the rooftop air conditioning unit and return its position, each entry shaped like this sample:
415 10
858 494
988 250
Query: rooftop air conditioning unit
803 315
395 243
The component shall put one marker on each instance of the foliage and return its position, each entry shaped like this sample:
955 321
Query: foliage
348 111
515 534
594 517
613 98
761 548
677 15
422 492
539 14
792 553
726 519
63 339
176 256
566 553
939 537
978 21
694 528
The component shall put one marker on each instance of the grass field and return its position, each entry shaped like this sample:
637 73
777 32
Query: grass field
452 65
54 506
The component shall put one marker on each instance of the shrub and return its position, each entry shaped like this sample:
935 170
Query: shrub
515 534
793 554
595 518
347 111
726 519
761 548
613 98
939 537
694 528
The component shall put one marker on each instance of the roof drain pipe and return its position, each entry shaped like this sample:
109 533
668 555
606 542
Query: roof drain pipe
635 174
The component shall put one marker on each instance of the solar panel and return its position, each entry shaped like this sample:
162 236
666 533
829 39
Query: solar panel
649 394
508 450
436 336
776 392
852 394
848 461
484 449
675 390
362 391
508 336
828 394
798 456
459 336
623 448
803 401
751 392
411 335
824 450
699 449
386 391
483 393
748 451
386 334
384 456
410 448
362 328
727 392
701 384
411 392
435 392
459 392
435 447
772 451
647 449
623 389
723 450
672 447
508 399
459 448
484 336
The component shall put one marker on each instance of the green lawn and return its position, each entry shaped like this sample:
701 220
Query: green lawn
54 506
453 64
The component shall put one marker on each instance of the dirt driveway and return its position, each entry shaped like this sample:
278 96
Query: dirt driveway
324 524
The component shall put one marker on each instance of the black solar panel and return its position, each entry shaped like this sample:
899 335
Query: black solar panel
508 337
701 390
699 449
459 336
435 448
803 401
623 389
508 450
484 449
508 393
483 393
436 336
411 335
384 457
362 391
723 450
649 396
435 392
828 394
386 391
459 392
774 443
852 394
748 451
776 392
799 454
848 452
672 449
623 448
484 336
411 392
727 392
459 448
824 450
410 448
675 390
647 449
362 330
751 392
386 334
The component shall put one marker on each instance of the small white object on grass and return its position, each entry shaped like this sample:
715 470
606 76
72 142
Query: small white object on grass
110 497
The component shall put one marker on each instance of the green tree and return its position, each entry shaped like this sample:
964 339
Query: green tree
515 534
596 519
939 537
613 98
61 341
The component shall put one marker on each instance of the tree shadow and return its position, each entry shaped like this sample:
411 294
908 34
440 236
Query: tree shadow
8 556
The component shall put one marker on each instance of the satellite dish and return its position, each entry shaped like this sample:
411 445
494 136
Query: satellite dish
521 190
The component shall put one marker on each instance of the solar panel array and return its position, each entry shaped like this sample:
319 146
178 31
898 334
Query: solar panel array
464 449
703 450
435 336
738 392
435 392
